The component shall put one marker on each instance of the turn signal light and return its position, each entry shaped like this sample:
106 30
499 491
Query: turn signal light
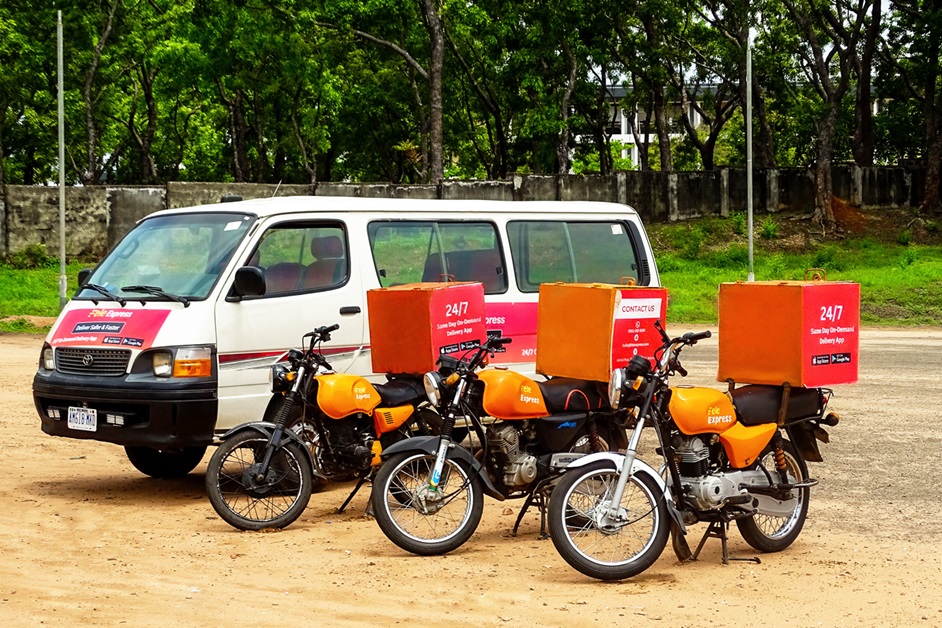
193 362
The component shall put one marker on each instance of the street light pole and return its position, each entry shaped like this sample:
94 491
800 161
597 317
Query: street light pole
62 279
751 276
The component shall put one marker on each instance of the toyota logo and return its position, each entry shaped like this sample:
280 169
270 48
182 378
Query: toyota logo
87 359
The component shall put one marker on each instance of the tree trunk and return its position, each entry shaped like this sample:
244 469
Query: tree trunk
562 144
660 123
863 113
436 31
91 174
823 186
931 201
763 154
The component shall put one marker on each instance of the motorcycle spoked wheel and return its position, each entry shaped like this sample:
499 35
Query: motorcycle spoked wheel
246 504
595 547
417 520
766 533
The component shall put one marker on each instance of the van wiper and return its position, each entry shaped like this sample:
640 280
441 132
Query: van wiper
157 291
103 291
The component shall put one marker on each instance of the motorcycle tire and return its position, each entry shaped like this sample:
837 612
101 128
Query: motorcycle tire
246 505
418 520
607 552
766 533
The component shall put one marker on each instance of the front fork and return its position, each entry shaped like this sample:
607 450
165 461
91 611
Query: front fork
445 442
291 398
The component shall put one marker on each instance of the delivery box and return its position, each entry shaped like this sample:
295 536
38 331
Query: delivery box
411 325
587 330
805 333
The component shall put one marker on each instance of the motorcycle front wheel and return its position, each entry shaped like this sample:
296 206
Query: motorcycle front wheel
422 521
247 502
599 541
767 533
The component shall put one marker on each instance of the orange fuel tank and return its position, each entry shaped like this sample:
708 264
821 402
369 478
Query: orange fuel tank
340 395
510 395
701 410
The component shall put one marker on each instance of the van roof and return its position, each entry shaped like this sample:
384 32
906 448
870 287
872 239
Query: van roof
263 207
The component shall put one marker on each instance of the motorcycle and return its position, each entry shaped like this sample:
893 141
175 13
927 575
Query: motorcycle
329 427
428 494
724 459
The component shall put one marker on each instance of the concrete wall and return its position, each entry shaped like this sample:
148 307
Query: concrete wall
97 217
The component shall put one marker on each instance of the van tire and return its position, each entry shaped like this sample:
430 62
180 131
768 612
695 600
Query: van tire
165 463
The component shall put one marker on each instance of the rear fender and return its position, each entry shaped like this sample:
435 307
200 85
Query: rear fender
429 445
616 460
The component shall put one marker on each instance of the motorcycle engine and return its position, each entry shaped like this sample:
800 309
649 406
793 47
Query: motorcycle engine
709 490
520 467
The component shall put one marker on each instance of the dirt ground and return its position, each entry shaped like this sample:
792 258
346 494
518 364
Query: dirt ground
88 540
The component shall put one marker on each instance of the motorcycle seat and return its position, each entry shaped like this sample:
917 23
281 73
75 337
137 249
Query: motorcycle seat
757 404
398 392
565 394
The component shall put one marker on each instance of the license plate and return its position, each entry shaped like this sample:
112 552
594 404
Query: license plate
85 419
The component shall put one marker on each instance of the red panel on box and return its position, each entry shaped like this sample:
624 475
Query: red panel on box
633 331
831 334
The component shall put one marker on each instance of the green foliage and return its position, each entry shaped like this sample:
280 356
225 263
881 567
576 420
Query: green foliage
33 256
769 229
739 223
904 237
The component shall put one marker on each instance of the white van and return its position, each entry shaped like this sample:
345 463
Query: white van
169 340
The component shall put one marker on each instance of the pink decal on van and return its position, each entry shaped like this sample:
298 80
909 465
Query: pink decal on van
107 327
518 321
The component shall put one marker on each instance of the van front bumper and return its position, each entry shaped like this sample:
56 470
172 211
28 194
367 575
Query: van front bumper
162 415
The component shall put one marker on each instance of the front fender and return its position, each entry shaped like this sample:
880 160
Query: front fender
639 467
266 429
429 445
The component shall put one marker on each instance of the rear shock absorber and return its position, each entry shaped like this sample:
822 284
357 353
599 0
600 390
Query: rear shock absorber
779 453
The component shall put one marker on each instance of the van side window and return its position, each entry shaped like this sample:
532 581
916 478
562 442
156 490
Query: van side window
570 251
413 251
302 257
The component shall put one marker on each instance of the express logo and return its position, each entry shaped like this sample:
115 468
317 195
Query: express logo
361 393
715 416
97 313
526 394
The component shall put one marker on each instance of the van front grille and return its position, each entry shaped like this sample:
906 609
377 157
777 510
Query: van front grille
104 362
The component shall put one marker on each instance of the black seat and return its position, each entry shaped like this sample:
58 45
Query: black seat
564 394
398 392
757 404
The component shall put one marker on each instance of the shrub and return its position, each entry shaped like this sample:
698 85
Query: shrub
739 223
33 256
769 229
905 237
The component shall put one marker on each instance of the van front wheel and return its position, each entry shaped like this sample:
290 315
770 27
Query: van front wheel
165 463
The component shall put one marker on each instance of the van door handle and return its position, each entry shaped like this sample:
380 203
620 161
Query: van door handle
350 309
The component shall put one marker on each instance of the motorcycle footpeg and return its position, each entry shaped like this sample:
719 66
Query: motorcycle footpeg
735 500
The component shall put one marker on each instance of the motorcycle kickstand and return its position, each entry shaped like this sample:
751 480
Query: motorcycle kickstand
717 530
356 488
537 498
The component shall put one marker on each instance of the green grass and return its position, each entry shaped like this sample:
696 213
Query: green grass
32 292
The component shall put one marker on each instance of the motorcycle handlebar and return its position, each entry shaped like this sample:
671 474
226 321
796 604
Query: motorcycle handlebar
692 337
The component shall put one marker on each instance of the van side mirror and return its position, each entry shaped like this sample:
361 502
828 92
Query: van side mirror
83 276
249 282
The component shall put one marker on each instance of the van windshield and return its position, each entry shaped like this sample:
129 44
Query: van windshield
168 258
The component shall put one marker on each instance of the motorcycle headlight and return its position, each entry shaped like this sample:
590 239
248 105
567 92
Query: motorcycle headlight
615 384
278 378
433 387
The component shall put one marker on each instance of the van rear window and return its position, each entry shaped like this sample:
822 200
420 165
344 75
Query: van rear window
571 251
414 251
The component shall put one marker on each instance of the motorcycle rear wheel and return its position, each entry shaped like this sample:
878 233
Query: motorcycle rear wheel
766 533
612 552
247 505
417 520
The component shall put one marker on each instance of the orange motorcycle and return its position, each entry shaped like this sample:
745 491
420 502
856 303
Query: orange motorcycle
328 426
724 459
428 495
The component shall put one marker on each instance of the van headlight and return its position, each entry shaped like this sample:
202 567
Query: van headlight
433 387
48 358
615 384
